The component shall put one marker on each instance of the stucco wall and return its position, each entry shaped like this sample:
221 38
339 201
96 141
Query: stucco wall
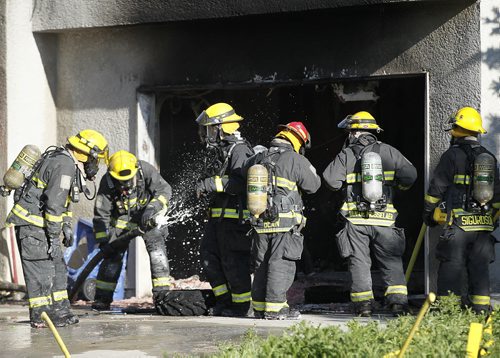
3 98
490 93
99 70
56 15
27 109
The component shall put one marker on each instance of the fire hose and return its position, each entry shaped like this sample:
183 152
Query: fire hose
119 242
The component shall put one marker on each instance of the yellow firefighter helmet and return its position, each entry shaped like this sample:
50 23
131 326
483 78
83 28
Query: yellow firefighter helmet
89 143
123 165
220 113
469 119
359 120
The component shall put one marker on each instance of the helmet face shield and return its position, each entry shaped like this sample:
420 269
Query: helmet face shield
344 123
103 156
202 119
209 135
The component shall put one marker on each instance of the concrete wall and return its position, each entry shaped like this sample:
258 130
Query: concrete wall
55 15
490 93
5 273
27 108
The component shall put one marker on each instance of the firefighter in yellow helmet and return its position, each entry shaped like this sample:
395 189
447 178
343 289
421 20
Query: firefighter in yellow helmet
463 193
368 172
42 212
131 195
225 248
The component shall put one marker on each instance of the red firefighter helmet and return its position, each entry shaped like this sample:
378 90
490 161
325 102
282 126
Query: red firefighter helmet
299 129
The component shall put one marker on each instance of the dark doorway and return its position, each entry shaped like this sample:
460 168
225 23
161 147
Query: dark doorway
398 104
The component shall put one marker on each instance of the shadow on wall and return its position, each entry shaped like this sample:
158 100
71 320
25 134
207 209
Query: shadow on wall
492 55
492 59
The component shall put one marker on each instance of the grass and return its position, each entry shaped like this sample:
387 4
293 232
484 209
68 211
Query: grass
443 333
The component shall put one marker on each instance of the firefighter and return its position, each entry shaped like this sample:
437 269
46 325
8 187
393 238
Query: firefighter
368 211
131 194
42 212
278 242
225 248
456 190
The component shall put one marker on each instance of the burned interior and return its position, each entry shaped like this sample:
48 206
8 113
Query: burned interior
395 101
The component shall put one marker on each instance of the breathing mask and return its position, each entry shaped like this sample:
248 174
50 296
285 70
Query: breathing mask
125 187
91 168
209 135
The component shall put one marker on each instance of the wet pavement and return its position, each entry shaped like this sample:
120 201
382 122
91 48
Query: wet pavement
137 335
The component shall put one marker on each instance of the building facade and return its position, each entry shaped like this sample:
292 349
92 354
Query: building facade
140 71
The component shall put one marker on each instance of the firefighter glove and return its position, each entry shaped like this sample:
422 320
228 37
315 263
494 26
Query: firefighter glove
54 248
201 188
428 218
68 235
147 218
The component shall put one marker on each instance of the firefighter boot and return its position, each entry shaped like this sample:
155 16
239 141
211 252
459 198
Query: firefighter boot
36 320
364 308
237 310
398 309
284 313
482 309
101 305
258 314
102 300
222 302
62 312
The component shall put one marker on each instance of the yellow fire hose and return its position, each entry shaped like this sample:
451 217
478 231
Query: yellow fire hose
474 340
431 298
416 250
59 341
425 307
488 330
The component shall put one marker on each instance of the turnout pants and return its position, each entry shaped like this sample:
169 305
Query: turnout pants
110 268
387 245
225 254
465 257
45 276
274 257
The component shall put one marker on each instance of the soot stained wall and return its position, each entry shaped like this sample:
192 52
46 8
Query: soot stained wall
100 70
103 68
56 15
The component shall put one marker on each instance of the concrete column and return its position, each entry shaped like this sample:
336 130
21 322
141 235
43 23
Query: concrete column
490 94
27 108
4 262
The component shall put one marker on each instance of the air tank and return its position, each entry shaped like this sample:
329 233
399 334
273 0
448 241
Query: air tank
257 181
483 181
372 178
21 167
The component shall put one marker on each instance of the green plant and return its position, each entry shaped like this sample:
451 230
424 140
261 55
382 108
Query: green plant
443 333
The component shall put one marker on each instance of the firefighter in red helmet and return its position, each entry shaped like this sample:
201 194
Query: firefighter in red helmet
277 241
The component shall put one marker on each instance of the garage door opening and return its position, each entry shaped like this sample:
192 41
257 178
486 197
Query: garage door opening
397 102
